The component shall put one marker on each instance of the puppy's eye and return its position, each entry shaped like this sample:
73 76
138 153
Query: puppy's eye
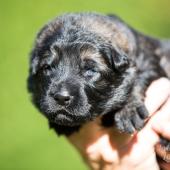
89 69
90 72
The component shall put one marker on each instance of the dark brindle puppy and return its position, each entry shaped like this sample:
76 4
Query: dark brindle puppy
87 65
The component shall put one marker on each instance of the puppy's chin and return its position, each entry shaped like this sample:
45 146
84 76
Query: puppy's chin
64 118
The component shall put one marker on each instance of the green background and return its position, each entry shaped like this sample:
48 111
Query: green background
25 139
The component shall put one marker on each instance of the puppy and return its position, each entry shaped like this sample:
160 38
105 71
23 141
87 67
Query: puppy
86 65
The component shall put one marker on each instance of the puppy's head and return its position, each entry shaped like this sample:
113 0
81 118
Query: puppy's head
74 81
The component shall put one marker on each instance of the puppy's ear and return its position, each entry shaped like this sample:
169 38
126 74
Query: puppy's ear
120 61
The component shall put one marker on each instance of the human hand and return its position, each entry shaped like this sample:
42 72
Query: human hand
107 149
161 122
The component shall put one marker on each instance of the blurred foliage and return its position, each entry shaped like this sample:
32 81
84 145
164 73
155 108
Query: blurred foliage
25 139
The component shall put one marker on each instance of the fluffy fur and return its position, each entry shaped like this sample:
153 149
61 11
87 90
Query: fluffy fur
86 65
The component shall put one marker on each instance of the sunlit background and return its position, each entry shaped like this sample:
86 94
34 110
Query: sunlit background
26 143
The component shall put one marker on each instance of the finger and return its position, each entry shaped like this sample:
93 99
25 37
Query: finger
159 120
163 129
157 94
149 134
164 112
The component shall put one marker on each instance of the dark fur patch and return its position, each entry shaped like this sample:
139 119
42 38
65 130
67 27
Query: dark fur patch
86 65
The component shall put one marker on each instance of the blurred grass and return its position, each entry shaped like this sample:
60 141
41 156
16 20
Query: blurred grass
25 140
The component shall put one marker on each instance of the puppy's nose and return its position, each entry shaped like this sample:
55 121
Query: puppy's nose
63 98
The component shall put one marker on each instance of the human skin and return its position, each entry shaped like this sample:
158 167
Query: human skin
108 149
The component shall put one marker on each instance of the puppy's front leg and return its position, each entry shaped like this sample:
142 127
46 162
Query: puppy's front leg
132 116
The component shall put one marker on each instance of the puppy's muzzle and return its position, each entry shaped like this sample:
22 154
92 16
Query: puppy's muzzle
63 97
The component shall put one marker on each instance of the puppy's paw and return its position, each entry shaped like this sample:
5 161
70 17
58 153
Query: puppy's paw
131 117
